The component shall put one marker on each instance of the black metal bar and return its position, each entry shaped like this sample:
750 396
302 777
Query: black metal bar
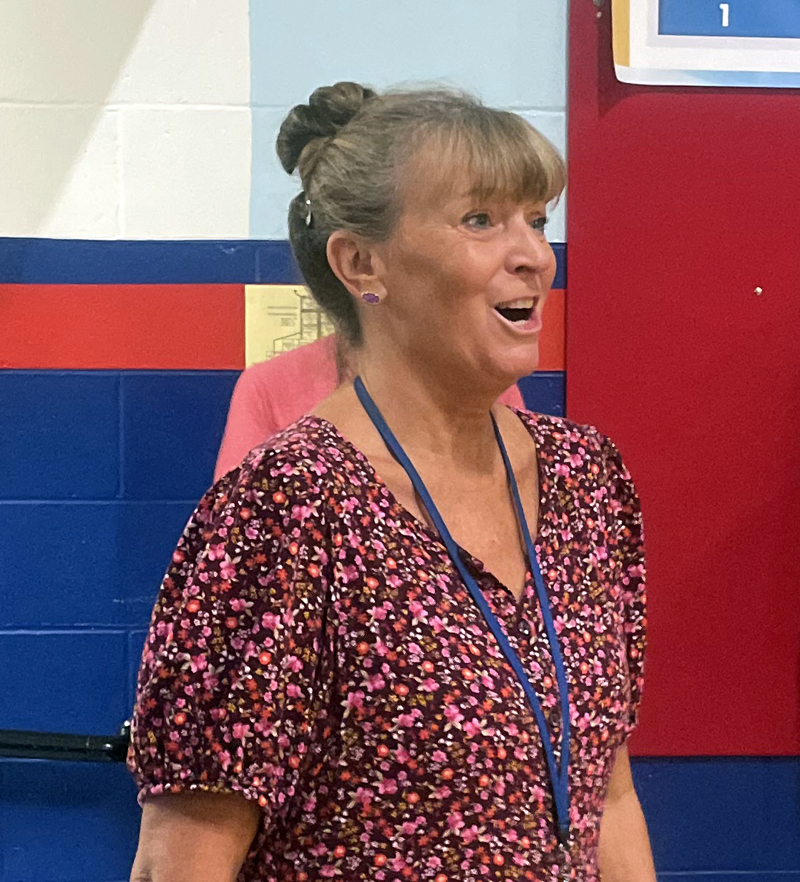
18 744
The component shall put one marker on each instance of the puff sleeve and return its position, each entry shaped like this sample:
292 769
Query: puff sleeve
627 560
226 693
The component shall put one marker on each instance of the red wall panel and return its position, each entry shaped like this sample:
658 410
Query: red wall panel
682 203
189 327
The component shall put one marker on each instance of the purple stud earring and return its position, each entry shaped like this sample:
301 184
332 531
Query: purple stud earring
369 297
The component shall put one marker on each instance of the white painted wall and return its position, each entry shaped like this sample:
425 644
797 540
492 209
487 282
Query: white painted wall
137 118
128 119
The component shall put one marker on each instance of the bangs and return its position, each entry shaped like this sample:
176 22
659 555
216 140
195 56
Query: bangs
500 155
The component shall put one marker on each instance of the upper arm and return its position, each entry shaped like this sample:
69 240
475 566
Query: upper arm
202 837
627 562
229 682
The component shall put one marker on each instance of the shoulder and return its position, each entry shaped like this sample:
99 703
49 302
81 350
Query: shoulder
298 462
560 434
577 451
591 480
279 494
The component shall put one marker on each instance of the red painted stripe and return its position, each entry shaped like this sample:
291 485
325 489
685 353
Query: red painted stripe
178 327
552 343
166 327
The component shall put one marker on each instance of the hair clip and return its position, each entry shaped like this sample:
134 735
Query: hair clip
308 212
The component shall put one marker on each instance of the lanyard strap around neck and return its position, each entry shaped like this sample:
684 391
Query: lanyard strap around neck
559 772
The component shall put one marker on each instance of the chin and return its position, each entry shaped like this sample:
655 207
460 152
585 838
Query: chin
491 370
500 377
510 370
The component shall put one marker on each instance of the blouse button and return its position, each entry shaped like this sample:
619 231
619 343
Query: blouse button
524 628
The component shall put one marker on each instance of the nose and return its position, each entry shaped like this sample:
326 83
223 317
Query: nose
529 251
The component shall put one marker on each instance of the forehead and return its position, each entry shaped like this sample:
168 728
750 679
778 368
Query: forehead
456 169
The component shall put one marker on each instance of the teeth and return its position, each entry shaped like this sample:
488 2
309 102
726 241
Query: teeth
524 303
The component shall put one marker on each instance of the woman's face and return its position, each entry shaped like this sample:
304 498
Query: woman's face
466 282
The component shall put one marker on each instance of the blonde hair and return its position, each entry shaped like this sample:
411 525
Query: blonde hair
351 146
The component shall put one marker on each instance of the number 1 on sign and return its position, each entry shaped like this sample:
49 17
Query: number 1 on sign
726 14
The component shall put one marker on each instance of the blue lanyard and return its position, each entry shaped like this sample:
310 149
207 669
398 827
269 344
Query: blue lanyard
559 772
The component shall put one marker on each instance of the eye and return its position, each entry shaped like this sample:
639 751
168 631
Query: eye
479 220
540 223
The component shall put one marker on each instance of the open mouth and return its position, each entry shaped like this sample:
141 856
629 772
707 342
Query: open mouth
518 312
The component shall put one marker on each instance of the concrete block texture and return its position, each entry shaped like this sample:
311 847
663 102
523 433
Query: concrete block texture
188 52
64 681
60 174
60 435
172 424
139 51
66 53
66 68
85 565
67 822
185 173
720 818
272 188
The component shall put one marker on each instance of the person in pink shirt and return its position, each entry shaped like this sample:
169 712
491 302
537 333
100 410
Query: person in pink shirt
271 395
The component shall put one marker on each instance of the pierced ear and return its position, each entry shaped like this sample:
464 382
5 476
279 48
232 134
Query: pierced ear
353 261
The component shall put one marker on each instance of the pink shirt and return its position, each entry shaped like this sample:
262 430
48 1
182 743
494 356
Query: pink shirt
271 395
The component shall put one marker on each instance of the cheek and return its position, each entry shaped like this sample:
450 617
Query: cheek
432 284
552 267
439 279
410 269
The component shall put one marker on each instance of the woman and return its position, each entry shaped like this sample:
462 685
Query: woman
404 639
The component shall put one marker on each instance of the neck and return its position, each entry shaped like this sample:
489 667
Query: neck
438 422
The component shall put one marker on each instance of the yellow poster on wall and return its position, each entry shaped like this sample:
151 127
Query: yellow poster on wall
279 318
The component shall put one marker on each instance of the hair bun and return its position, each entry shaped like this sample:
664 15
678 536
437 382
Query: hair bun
329 109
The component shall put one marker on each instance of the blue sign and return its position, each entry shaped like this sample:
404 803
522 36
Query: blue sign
736 18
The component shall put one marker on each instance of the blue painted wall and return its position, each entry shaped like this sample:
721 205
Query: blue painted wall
99 471
722 820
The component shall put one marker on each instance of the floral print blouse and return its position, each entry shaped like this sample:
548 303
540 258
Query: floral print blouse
314 648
